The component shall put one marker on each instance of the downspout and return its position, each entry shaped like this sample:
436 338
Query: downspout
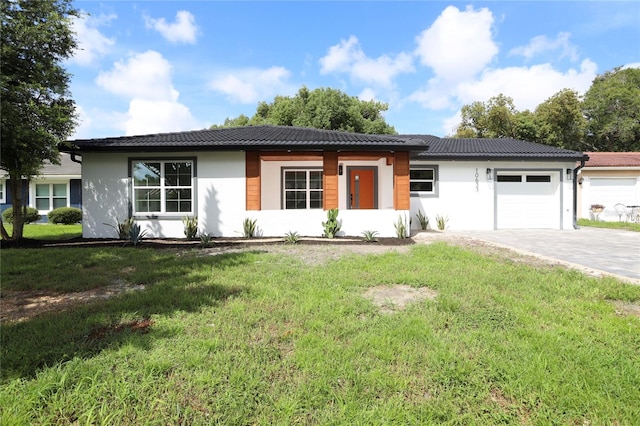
74 159
575 193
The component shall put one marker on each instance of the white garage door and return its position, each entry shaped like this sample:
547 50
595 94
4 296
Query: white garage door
611 191
528 200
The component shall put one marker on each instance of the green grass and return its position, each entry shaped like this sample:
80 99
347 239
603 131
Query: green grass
627 226
48 231
255 338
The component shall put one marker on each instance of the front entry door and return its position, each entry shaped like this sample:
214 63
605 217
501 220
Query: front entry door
362 188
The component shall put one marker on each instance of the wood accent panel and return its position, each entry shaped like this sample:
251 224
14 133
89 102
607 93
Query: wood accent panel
290 156
401 189
364 156
252 177
330 178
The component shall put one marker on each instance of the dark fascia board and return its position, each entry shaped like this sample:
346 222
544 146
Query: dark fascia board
498 157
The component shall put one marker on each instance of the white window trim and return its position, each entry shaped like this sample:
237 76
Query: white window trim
163 206
32 191
3 195
434 192
308 190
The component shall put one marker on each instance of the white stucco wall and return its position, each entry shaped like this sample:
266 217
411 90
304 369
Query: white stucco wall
221 196
471 206
106 194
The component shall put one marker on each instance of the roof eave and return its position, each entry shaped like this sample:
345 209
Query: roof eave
494 157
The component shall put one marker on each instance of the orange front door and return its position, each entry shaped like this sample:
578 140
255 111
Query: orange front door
362 189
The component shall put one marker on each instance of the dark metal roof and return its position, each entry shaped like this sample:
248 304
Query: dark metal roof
250 137
492 148
423 147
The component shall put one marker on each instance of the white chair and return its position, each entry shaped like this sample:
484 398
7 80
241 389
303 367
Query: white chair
621 210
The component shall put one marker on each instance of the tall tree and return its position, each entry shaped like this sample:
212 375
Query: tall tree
494 119
561 122
37 110
612 109
322 108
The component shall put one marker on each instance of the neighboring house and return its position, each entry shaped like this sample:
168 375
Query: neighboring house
609 179
287 177
55 186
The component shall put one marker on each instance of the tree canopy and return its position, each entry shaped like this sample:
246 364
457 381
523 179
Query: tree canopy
37 110
607 119
322 108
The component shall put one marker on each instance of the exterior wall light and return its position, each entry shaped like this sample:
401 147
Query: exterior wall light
489 174
569 174
340 169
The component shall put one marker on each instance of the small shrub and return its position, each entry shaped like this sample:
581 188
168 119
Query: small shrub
401 227
442 221
205 240
331 226
65 215
136 234
122 228
291 237
31 216
423 220
190 227
249 227
370 236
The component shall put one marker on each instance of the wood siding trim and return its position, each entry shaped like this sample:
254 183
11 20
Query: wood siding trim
252 173
330 180
290 156
401 189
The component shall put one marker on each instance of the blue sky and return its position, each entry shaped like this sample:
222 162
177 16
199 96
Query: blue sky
158 66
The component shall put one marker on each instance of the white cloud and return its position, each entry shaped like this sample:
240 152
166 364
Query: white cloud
146 80
143 75
541 44
632 65
252 84
348 57
92 44
145 116
528 86
183 30
459 44
368 94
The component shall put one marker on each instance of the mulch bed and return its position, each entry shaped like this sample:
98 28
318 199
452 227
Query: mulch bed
181 243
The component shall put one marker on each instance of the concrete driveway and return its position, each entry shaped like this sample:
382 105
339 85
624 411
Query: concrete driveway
612 251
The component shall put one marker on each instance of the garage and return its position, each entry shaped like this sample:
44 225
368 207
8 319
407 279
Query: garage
528 199
611 191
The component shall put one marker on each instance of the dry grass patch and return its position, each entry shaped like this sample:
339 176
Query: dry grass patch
396 298
626 308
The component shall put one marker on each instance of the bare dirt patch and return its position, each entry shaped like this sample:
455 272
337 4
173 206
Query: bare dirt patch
24 305
395 298
626 308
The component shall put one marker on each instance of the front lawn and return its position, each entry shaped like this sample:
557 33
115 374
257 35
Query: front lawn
260 338
627 226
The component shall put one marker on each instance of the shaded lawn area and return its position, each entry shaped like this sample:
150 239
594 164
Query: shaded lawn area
259 338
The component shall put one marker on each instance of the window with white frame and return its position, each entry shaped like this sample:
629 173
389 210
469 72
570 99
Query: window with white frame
162 186
302 188
423 180
49 196
2 192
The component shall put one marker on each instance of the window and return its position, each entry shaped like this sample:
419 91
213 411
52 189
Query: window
50 196
509 178
163 186
423 180
539 178
302 189
2 192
